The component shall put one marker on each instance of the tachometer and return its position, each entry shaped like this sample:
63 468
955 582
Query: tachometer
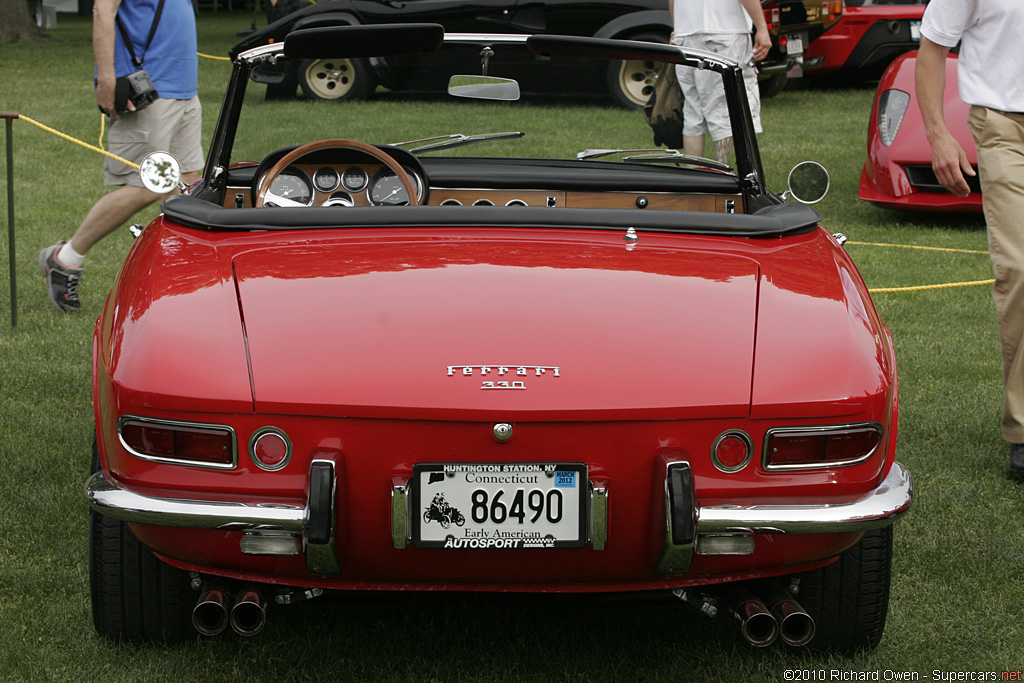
387 189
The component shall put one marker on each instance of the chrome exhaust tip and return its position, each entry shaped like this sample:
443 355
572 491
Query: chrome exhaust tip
210 615
757 625
249 613
796 626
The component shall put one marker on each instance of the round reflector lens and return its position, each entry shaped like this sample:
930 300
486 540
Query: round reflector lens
732 451
270 449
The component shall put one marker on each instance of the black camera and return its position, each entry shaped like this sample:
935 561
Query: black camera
137 88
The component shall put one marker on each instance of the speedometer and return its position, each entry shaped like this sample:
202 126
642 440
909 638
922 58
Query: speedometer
290 187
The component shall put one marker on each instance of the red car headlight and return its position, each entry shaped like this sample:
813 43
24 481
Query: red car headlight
183 443
792 448
892 105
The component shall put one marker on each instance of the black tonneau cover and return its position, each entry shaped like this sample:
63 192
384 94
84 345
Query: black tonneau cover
772 221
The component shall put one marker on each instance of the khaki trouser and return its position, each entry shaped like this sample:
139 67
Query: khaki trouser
999 137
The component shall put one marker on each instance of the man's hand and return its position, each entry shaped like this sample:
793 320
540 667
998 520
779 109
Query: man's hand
948 158
949 161
762 43
105 96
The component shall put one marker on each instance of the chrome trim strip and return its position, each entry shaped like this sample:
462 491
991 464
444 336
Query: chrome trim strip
598 516
876 508
820 429
110 499
401 532
179 423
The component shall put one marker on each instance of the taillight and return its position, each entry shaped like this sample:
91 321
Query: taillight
831 10
772 17
184 443
790 448
731 451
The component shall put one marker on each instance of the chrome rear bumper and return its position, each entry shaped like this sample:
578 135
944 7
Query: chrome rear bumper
686 521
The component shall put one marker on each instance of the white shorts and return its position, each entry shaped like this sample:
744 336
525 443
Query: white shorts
704 106
166 125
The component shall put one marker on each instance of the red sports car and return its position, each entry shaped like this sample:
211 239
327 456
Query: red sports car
898 172
358 363
866 39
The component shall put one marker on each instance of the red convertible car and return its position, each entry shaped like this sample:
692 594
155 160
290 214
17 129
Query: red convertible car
898 171
394 361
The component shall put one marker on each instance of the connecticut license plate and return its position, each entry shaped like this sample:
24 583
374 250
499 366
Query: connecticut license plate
499 505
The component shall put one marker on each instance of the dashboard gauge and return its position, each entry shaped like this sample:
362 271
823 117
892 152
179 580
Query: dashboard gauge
290 187
340 199
354 179
326 179
387 190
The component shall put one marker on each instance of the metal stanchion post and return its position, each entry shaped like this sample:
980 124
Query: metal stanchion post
9 117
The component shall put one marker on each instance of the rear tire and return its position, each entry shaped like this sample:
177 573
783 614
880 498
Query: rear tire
336 80
849 599
772 86
136 597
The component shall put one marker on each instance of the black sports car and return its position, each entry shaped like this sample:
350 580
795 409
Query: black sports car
793 24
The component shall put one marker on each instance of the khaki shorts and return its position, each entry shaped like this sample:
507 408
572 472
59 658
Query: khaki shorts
704 106
166 125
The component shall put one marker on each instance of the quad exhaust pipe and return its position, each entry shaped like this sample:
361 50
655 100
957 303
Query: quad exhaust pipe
210 615
215 609
796 626
759 624
249 613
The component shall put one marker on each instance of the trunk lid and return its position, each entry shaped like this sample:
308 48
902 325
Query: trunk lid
499 326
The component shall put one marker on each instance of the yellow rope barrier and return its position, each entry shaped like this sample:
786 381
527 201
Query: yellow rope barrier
94 148
915 246
222 59
921 288
926 287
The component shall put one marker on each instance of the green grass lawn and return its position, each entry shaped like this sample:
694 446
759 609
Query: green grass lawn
958 582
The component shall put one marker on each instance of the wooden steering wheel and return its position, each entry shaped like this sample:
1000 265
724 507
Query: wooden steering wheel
303 150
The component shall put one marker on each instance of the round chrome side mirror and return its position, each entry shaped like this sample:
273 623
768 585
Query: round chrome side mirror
808 182
160 173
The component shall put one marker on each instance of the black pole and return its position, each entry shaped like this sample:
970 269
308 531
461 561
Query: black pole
9 117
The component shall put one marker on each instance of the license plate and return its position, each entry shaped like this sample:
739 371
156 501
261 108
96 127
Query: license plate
915 30
794 45
499 505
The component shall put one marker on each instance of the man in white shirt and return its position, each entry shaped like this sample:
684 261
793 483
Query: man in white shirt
722 27
990 73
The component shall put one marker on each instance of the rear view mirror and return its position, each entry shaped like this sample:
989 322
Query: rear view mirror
808 182
484 88
160 173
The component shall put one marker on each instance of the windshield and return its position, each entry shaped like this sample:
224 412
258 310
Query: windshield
418 106
466 120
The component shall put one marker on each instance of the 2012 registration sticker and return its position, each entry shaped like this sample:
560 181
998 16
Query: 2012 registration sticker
499 505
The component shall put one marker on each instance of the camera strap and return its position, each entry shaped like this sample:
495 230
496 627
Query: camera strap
126 39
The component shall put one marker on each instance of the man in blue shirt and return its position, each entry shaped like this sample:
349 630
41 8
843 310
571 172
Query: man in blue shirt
172 123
